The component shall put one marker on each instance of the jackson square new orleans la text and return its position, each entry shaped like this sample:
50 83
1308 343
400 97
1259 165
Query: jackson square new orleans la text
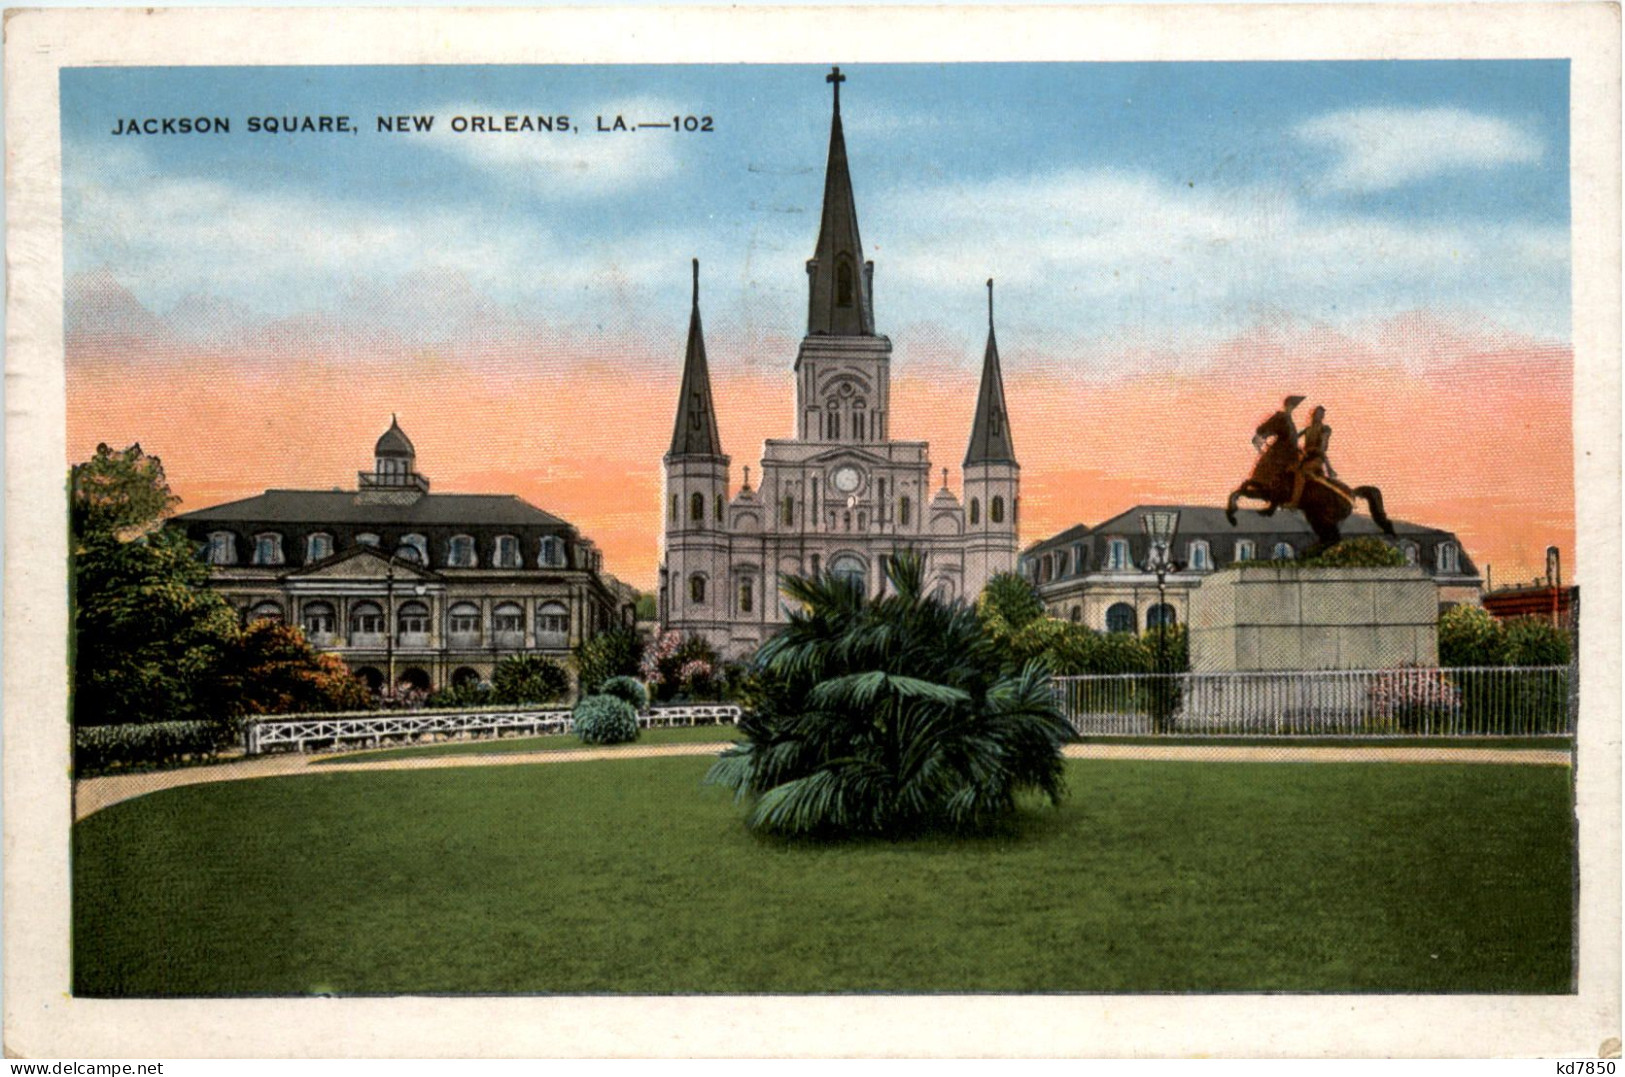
413 123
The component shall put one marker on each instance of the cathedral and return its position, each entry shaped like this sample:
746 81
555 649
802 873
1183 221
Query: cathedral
843 493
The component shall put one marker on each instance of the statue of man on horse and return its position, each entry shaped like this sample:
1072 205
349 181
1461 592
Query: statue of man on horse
1286 476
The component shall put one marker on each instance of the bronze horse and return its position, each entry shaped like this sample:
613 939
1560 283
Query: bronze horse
1325 502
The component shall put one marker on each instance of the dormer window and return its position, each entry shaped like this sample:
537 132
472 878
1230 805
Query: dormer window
222 548
507 552
318 547
1117 558
367 538
1448 557
1200 556
413 548
1413 555
461 552
1284 552
1245 550
268 549
552 552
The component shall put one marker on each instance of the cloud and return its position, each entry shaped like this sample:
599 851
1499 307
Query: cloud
1105 250
1382 148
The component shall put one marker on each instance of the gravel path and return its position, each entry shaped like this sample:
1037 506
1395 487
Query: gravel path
94 794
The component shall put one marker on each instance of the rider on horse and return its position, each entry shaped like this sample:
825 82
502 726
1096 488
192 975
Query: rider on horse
1277 441
1314 465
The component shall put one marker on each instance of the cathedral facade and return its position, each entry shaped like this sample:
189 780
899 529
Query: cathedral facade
843 493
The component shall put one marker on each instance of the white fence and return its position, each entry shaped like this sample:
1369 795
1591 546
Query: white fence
337 732
1525 701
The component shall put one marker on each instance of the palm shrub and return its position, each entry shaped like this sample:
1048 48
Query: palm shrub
629 689
605 720
890 716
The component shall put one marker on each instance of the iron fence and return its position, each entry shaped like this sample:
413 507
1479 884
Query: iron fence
1521 701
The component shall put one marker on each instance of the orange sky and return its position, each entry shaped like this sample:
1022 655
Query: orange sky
1468 431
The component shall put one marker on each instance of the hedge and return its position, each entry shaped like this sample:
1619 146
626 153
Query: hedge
99 748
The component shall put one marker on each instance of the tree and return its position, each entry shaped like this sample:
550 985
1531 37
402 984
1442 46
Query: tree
1007 605
890 716
271 669
1534 641
1470 636
149 635
615 653
524 679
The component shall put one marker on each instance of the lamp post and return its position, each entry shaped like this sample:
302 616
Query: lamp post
1160 526
389 626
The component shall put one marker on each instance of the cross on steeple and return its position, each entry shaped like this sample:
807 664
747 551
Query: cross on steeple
835 78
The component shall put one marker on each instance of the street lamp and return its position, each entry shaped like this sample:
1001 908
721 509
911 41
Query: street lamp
1160 526
389 626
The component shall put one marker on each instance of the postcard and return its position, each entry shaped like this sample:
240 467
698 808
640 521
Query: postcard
950 532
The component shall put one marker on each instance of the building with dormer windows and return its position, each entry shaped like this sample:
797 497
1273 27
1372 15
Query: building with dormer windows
843 493
410 587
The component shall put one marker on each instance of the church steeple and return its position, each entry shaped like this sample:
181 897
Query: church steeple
840 282
990 441
696 431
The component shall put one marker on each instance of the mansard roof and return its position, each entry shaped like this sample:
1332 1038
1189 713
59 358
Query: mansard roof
839 303
695 432
314 507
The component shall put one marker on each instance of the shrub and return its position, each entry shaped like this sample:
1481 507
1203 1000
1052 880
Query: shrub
669 667
1470 636
629 689
615 653
102 748
1534 641
605 720
1363 552
1415 700
525 679
890 716
461 695
1007 605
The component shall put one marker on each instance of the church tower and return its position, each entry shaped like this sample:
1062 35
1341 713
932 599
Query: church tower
693 577
992 476
843 369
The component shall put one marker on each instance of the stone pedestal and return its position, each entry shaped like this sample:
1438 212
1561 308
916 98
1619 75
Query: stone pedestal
1280 617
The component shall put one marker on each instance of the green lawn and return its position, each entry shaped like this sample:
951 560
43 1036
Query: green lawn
627 876
557 742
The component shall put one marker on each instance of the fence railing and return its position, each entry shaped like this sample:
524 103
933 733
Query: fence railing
1526 701
318 733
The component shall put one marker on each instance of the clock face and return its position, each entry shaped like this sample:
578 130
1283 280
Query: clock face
847 479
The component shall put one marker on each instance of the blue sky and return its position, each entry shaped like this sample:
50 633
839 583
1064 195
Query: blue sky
1149 202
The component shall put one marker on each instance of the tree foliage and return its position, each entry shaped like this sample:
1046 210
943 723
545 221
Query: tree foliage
271 669
615 653
1365 551
1471 636
890 716
118 493
1069 649
525 679
1007 605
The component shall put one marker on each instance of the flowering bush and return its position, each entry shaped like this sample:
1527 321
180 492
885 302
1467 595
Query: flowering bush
400 698
1415 700
605 720
673 664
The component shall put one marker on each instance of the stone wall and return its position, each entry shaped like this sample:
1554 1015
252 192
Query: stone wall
1274 617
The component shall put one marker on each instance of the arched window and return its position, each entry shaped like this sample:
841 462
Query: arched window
268 549
1244 550
846 519
843 283
366 619
975 511
696 507
552 625
552 552
507 552
222 548
1117 558
1080 558
696 589
789 512
1160 614
367 538
995 510
717 501
508 622
1077 614
461 553
413 548
1062 557
815 565
1413 554
318 547
1283 551
318 620
1120 618
673 508
412 622
1448 557
1199 557
463 621
851 569
747 596
857 425
905 510
465 677
266 611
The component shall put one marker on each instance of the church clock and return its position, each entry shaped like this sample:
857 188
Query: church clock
847 479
